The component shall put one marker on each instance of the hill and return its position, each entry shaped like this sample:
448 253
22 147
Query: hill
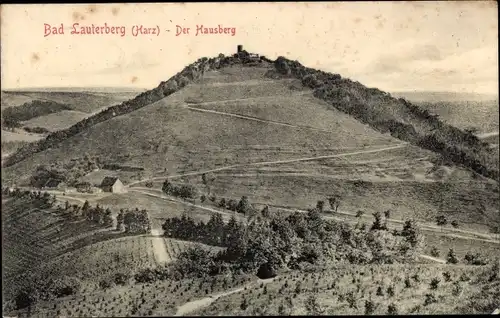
78 100
398 117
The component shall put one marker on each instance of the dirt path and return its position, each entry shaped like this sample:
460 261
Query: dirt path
486 135
435 259
161 196
159 248
218 102
206 301
345 154
257 119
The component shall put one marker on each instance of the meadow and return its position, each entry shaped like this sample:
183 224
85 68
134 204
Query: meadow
357 290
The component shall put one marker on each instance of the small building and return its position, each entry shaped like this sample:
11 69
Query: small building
112 184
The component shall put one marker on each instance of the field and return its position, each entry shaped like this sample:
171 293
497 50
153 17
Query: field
151 299
125 255
83 101
346 290
56 121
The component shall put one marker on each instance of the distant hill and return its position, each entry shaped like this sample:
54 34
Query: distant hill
424 96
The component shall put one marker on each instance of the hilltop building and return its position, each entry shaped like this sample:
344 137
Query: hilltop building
113 185
245 56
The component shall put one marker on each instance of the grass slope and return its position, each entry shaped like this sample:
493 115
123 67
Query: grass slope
168 135
56 121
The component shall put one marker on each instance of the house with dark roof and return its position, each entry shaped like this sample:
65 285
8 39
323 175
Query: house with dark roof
112 184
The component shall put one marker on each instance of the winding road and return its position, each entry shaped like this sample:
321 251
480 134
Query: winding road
263 163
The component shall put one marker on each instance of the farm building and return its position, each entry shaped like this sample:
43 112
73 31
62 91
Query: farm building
112 184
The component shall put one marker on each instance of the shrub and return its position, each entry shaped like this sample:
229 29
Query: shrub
369 307
474 259
244 304
447 276
434 283
429 299
454 223
451 258
441 220
434 252
392 309
457 288
464 277
407 282
390 291
105 284
379 292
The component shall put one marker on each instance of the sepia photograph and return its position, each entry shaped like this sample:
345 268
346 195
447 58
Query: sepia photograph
250 159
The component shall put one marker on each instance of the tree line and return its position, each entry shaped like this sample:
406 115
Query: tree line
266 244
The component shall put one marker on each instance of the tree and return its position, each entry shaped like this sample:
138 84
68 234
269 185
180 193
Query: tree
377 223
119 221
434 252
244 206
454 223
167 187
232 205
441 220
108 218
411 232
369 307
320 206
359 213
451 258
392 309
265 212
334 202
222 203
435 282
387 214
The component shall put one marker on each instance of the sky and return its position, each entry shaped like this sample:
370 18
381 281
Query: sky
394 46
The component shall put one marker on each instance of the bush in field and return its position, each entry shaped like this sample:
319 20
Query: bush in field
265 212
434 252
434 283
120 279
454 223
222 203
334 202
244 206
232 205
451 258
64 286
429 299
359 213
441 220
447 276
474 259
457 289
320 206
377 223
369 307
392 309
